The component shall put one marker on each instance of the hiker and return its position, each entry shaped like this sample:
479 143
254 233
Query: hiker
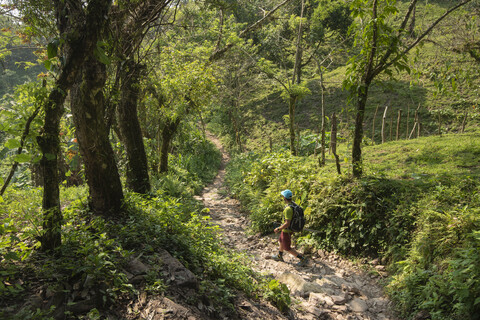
285 238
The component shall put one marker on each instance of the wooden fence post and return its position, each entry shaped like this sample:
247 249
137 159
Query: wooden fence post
383 123
408 120
439 124
399 119
415 123
373 124
464 122
391 127
419 126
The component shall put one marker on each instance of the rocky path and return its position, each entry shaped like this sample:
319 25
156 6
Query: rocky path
328 287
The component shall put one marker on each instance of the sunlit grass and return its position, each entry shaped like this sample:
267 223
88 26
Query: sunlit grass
453 154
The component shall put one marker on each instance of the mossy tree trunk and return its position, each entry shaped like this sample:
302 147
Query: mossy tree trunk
49 143
88 108
78 26
130 131
168 133
358 133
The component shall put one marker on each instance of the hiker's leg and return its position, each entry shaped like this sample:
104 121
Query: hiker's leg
293 252
285 241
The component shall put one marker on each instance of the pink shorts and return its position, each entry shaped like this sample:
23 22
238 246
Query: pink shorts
285 240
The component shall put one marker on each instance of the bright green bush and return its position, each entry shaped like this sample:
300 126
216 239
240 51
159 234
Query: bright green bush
195 164
366 216
257 181
441 273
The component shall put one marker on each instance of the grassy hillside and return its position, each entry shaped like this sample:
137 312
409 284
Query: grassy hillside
442 87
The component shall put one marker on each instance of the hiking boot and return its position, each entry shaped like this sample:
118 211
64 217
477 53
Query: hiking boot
302 262
277 258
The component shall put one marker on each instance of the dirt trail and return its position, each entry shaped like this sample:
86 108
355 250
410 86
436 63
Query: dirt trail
328 287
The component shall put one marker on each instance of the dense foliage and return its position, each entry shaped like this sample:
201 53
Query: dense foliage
95 249
117 95
422 220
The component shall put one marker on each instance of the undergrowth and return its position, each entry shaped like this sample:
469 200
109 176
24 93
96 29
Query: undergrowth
96 249
416 208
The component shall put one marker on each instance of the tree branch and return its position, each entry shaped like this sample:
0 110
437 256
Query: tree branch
20 149
368 75
420 38
219 53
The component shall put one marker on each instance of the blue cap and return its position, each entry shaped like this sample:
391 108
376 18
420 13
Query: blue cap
287 194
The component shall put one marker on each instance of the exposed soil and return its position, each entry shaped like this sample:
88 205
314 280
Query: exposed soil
327 287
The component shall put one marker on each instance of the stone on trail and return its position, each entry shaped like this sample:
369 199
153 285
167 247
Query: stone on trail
358 305
341 299
328 286
177 272
298 285
378 302
137 267
320 299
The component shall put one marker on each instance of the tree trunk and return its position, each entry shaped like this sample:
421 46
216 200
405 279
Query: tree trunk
49 143
333 142
234 119
322 157
296 78
362 95
358 133
291 113
297 69
130 131
411 27
167 136
88 108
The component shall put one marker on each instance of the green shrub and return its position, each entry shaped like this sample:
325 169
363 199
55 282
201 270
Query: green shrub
441 272
190 169
279 295
366 216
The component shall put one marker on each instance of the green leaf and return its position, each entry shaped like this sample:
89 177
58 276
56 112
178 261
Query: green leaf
23 157
37 159
12 144
3 152
50 156
47 64
99 52
52 50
